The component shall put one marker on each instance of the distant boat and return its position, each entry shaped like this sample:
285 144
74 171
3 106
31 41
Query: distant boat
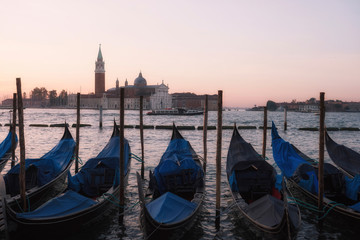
175 111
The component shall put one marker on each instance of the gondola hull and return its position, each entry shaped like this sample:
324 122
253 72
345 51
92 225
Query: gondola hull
192 194
91 194
257 195
4 160
155 230
6 149
301 173
335 211
49 182
280 231
69 224
38 195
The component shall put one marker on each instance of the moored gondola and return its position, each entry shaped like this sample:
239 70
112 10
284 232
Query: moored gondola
345 158
175 193
45 176
340 201
258 192
91 193
6 148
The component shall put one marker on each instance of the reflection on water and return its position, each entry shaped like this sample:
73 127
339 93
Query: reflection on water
39 140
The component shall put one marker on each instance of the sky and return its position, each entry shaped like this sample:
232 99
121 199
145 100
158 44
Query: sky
254 51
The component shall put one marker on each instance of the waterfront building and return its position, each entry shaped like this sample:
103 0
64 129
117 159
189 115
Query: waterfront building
193 101
155 96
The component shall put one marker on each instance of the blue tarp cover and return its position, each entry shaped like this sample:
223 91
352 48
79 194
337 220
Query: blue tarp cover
5 146
52 163
311 184
177 157
356 207
170 208
233 183
284 154
108 158
66 204
352 187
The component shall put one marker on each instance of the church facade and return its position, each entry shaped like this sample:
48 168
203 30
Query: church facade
154 96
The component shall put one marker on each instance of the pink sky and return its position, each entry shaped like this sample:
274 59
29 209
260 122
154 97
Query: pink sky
252 50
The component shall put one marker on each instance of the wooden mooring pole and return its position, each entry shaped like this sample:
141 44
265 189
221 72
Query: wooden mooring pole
218 160
22 145
285 119
13 132
206 106
142 136
100 117
77 133
321 155
264 133
122 160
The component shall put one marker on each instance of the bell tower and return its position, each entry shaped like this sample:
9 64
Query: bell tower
99 73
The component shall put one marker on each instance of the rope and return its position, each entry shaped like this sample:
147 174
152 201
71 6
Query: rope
78 160
136 158
266 158
153 231
315 208
200 158
28 203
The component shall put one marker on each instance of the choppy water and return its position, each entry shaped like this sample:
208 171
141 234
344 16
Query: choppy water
39 140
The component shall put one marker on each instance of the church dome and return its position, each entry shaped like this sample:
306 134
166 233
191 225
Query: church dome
140 81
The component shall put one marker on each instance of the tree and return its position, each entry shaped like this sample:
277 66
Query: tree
52 97
271 105
39 93
63 97
312 101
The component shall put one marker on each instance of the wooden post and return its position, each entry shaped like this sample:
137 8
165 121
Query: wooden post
264 133
100 119
122 160
218 159
77 133
206 106
13 132
22 145
142 136
285 119
321 154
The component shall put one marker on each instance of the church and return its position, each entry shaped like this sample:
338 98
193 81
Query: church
154 96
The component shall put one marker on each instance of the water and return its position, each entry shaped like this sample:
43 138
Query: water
39 140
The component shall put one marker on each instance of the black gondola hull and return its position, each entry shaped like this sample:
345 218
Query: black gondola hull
153 229
68 224
39 195
336 212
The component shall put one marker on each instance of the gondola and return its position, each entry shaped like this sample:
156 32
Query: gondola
341 200
175 193
258 192
345 158
90 194
44 176
6 148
